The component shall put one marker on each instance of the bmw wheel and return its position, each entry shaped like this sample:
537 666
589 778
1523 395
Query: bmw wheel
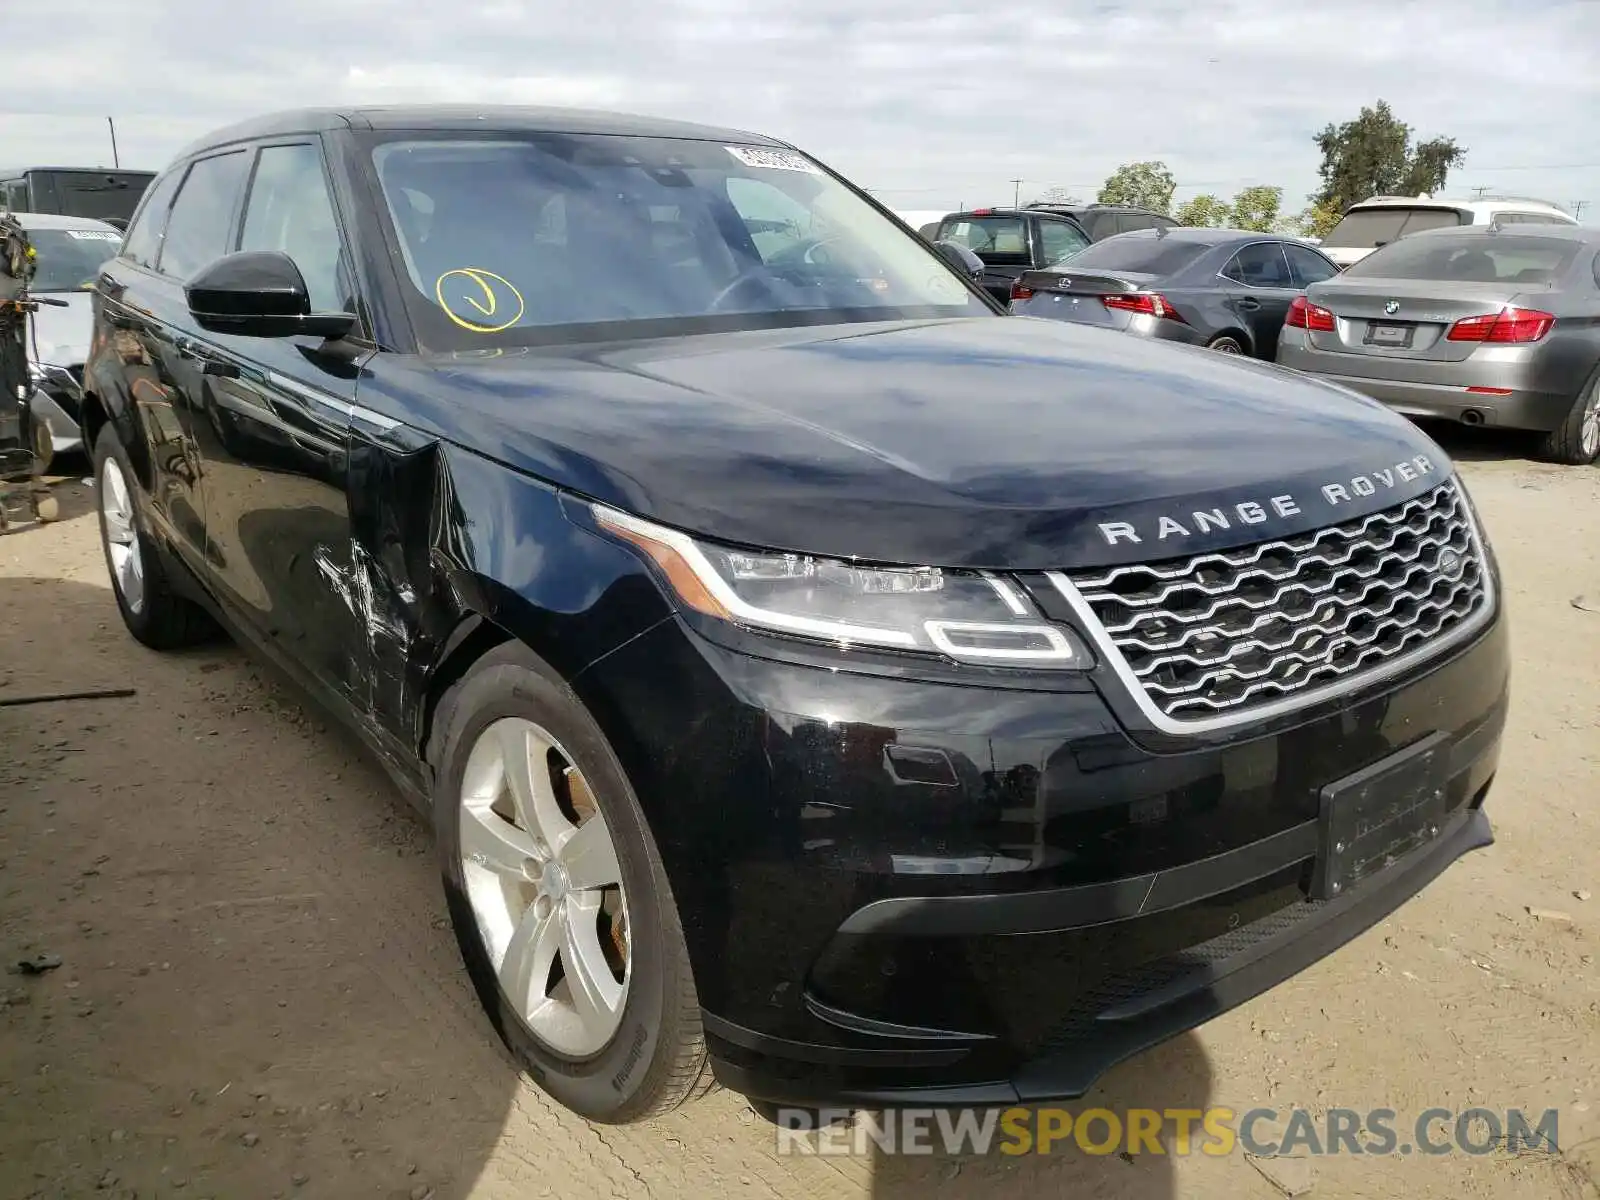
1576 441
559 899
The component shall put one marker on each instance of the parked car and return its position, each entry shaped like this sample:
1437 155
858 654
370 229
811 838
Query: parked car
1101 221
108 195
68 254
819 681
1483 325
1011 241
1226 289
1384 219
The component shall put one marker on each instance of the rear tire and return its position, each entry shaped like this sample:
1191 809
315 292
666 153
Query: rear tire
640 1051
1226 343
1576 441
154 613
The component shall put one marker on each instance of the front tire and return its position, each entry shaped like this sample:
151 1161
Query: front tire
1576 441
154 613
559 899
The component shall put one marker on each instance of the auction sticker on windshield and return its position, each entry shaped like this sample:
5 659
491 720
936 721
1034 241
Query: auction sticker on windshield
94 235
774 158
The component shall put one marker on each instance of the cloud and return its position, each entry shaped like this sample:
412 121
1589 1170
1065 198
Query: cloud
928 103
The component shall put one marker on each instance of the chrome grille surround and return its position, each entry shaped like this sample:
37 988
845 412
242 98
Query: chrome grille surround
1219 639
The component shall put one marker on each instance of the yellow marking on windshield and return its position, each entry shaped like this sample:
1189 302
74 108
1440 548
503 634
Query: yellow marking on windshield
493 289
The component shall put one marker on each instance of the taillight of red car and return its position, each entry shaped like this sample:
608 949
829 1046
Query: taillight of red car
1509 325
1020 291
1305 315
1146 304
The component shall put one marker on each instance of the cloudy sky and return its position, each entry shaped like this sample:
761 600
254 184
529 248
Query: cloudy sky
929 102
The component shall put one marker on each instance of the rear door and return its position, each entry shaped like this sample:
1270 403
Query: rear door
1259 289
1058 239
148 317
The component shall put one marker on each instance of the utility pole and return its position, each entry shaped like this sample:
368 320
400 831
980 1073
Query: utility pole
1016 193
1478 192
1578 206
116 160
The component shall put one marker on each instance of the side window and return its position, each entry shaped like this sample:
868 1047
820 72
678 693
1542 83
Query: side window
1128 222
143 243
1104 226
1525 218
202 215
1260 264
14 195
1307 266
290 209
1059 240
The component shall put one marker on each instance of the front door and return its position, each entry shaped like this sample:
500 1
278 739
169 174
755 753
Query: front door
273 424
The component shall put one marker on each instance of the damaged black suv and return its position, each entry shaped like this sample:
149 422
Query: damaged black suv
820 681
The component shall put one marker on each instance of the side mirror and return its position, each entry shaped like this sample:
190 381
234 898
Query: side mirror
959 257
259 293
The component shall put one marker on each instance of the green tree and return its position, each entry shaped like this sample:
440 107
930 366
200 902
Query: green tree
1318 220
1257 208
1204 210
1374 155
1144 184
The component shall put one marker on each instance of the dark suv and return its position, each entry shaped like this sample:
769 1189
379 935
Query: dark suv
818 680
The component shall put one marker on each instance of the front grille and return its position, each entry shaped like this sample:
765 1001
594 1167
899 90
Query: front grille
1216 635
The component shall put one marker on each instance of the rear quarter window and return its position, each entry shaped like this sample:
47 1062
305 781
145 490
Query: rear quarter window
143 242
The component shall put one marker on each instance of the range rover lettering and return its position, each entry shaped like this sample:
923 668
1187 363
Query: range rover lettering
820 682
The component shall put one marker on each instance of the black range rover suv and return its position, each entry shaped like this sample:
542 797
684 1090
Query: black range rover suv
819 681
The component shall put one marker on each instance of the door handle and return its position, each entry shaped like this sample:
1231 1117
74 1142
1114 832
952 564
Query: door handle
1249 305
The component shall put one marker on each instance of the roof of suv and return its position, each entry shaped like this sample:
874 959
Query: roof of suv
1074 210
1483 205
527 118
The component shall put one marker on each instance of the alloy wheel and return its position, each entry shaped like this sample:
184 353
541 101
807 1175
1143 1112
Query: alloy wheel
1589 428
122 539
542 877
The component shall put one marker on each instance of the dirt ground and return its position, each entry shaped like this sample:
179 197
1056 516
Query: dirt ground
259 995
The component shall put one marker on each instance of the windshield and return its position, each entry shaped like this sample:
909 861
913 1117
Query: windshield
1146 254
1498 258
511 239
67 260
1364 228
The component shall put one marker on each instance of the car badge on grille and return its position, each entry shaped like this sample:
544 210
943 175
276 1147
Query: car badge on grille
1391 307
1450 563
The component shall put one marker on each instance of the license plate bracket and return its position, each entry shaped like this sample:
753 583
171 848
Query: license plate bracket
1374 817
1396 337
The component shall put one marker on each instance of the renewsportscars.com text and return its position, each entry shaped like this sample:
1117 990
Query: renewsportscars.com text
1174 1131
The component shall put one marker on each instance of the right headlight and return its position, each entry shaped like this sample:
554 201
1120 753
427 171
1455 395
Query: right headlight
970 616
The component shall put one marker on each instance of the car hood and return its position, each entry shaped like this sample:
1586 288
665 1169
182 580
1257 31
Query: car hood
998 442
62 334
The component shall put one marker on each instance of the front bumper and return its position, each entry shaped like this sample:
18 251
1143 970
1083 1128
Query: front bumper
901 890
